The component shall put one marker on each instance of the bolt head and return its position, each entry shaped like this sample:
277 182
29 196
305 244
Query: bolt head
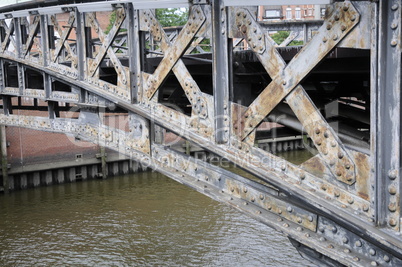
392 222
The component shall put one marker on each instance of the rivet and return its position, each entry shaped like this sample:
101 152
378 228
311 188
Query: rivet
245 190
343 28
318 141
329 27
317 130
358 243
335 37
280 211
374 263
321 229
253 199
231 189
336 193
347 166
283 167
310 218
289 209
392 190
332 162
269 207
333 143
307 235
356 259
322 239
302 175
279 219
392 207
340 155
299 229
392 174
345 8
336 17
372 252
345 240
330 246
351 200
334 229
261 196
353 18
394 7
338 173
324 187
346 250
392 222
299 220
324 39
394 42
365 207
258 212
286 225
394 26
386 258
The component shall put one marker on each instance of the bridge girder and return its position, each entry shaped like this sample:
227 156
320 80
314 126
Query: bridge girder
342 203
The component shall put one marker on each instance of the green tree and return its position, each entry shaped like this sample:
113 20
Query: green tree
280 36
169 17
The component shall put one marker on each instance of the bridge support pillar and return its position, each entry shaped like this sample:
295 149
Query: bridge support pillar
48 177
4 162
103 162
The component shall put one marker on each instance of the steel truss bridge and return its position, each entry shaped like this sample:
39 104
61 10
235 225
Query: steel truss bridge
216 82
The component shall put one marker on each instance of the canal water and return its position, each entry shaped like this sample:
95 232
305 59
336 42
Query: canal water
144 219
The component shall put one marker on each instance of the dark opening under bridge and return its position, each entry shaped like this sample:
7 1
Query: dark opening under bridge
341 88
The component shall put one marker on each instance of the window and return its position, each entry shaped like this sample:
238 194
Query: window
310 11
298 13
322 12
272 14
288 13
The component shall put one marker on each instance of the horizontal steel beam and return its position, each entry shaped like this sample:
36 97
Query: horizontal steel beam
276 2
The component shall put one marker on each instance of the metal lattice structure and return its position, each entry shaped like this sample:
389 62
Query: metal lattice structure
340 207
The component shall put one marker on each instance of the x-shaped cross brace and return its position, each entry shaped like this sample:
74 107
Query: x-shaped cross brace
172 61
8 38
107 41
286 83
33 30
63 38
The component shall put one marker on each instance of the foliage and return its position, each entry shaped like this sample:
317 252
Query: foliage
112 19
280 36
169 17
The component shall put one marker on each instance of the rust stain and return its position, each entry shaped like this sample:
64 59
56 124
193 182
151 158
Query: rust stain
362 175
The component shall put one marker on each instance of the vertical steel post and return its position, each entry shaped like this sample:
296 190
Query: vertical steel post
220 71
44 40
80 39
133 43
18 37
4 162
387 151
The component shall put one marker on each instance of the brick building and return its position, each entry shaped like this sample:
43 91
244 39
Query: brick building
291 12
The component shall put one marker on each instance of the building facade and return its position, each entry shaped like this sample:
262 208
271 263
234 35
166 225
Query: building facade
291 12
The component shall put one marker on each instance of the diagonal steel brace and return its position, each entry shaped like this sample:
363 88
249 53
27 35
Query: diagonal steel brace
342 18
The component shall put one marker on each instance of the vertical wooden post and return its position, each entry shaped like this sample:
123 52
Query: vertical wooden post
4 162
103 162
